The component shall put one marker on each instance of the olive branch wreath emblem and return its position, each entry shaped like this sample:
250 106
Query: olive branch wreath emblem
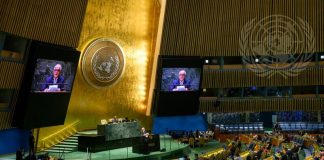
264 70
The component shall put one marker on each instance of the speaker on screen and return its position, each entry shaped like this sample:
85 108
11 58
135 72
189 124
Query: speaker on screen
177 85
46 86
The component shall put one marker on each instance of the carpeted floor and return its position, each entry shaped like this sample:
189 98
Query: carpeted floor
171 146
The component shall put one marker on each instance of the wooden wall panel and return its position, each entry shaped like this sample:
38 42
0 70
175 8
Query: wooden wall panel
247 78
53 21
261 105
10 78
213 27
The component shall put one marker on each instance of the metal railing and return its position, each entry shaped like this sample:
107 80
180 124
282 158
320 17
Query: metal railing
58 136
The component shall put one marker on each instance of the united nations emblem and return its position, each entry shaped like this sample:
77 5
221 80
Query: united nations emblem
277 44
102 63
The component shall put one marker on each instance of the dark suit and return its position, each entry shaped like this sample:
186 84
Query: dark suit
175 83
50 81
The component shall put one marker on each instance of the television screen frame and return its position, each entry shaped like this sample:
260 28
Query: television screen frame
176 103
35 109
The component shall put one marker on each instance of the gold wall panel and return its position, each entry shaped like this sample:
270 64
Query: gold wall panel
213 27
132 24
246 78
53 21
261 105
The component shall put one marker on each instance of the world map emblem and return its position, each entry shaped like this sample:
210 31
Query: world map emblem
102 63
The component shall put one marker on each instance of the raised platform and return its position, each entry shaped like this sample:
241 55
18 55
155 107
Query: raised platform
172 150
169 149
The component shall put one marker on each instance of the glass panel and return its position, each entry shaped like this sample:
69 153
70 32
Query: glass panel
321 91
12 47
209 92
5 98
255 91
232 92
278 91
304 91
234 62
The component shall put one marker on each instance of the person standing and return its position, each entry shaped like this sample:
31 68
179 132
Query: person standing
19 154
31 144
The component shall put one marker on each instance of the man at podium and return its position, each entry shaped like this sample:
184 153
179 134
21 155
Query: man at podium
55 82
181 84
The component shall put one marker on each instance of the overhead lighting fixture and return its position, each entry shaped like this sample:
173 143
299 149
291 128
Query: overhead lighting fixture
206 61
322 56
257 60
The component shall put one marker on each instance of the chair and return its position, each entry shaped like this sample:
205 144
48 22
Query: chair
255 128
201 142
236 128
298 126
251 128
303 126
241 128
293 127
309 127
246 128
192 142
230 128
284 127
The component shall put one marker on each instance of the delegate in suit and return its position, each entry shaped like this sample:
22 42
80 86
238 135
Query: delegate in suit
181 84
56 78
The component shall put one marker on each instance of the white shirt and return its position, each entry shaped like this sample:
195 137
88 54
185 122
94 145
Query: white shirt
181 82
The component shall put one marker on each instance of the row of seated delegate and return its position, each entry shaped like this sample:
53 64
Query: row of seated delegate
116 120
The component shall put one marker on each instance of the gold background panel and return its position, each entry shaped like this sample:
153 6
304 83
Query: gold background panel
133 24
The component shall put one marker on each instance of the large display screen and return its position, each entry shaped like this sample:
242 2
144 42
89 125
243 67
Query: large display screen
180 79
53 76
177 86
46 86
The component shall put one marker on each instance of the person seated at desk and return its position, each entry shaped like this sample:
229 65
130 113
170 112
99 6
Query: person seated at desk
115 120
144 133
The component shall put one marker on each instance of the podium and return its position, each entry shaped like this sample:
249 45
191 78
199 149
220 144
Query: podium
147 144
92 143
119 135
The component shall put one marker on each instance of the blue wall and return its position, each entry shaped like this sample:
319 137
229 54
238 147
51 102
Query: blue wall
12 139
187 123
